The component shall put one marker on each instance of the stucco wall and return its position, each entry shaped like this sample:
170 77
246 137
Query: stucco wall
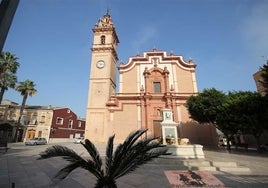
125 121
185 81
129 82
204 134
184 113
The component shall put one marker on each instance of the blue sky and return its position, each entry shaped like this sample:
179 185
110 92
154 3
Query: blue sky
227 39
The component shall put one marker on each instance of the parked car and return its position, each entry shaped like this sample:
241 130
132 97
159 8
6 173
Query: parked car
78 140
223 141
264 147
36 141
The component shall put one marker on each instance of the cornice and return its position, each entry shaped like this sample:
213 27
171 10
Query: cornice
105 49
161 56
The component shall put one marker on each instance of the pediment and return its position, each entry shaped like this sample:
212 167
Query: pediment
156 59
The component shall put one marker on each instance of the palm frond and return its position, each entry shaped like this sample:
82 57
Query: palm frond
60 151
133 137
109 154
71 156
92 150
123 148
135 161
130 140
64 172
148 144
141 152
87 165
91 167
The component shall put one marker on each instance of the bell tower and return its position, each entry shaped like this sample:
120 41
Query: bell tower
102 79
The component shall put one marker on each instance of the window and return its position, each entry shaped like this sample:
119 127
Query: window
43 118
70 124
23 120
39 133
59 121
13 116
33 119
79 123
102 39
157 87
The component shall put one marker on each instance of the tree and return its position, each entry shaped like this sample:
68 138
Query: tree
256 116
10 81
225 124
243 110
128 156
229 115
250 113
205 106
8 68
26 88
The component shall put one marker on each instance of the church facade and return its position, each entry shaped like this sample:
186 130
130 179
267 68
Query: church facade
148 84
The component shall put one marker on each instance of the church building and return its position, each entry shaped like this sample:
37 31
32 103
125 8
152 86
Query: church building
148 84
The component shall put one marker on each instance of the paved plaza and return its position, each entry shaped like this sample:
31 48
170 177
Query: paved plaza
20 169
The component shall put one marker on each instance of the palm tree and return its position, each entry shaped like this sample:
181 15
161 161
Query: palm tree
10 81
128 156
26 89
8 66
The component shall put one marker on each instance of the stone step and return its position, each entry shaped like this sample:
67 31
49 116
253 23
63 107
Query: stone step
235 169
203 168
230 167
197 163
201 164
223 164
194 151
232 170
170 161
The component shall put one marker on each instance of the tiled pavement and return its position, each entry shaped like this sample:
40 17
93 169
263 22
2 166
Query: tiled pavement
20 169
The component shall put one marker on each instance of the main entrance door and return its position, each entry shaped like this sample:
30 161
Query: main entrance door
31 134
157 128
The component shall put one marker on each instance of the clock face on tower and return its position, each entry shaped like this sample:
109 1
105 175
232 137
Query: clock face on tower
100 64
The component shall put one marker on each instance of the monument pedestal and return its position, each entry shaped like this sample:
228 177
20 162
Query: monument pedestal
170 137
194 151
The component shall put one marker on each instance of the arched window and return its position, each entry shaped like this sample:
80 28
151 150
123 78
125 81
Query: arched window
102 39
